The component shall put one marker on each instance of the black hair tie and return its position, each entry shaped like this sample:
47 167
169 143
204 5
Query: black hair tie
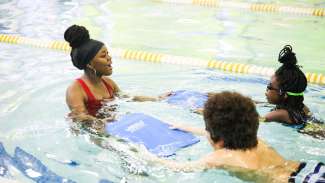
286 50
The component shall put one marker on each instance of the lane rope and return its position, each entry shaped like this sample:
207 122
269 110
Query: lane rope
255 7
139 55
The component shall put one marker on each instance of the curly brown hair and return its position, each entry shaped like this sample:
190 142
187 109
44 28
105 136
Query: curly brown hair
232 117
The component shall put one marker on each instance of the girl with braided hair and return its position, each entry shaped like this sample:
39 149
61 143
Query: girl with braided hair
286 91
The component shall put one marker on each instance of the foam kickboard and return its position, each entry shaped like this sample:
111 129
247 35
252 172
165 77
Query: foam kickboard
154 134
188 99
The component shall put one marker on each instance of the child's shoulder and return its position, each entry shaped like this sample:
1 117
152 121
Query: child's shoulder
218 158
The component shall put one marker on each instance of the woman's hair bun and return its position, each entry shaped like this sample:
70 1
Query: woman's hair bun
76 35
287 57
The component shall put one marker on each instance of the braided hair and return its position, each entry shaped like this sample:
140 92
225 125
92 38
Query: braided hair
291 79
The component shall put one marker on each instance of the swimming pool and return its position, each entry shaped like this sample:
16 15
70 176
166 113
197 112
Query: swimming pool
32 96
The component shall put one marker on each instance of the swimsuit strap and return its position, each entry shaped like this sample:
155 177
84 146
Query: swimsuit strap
109 88
295 173
318 172
86 89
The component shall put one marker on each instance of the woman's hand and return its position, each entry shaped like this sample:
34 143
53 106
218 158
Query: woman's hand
98 125
122 95
90 122
107 100
165 95
80 116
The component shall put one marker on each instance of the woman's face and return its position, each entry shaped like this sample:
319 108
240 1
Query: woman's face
273 91
102 62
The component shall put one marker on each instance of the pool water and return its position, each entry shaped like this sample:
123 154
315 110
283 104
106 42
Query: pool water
32 97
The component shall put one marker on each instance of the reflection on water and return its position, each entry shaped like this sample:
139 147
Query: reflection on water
33 81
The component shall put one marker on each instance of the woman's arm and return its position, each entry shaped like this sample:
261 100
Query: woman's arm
75 100
151 99
145 99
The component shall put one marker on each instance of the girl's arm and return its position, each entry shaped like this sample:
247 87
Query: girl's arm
279 115
191 129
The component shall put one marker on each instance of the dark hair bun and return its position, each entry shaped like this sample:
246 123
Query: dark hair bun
76 35
287 57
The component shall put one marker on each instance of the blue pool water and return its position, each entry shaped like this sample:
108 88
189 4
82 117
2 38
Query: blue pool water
33 113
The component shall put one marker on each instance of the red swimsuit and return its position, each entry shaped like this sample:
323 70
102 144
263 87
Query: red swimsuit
93 105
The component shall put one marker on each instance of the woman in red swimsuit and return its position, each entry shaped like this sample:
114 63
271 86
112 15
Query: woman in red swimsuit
85 96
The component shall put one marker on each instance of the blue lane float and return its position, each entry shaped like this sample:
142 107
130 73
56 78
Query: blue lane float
5 160
187 99
35 169
30 166
154 134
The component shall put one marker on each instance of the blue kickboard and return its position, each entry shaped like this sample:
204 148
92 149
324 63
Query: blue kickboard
154 134
35 170
188 99
5 160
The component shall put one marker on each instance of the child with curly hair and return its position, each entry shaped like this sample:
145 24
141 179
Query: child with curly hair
286 92
231 125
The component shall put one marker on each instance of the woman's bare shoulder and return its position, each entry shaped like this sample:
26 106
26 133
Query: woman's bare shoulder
74 87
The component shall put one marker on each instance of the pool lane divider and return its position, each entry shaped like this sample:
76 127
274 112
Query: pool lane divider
28 165
138 55
255 7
